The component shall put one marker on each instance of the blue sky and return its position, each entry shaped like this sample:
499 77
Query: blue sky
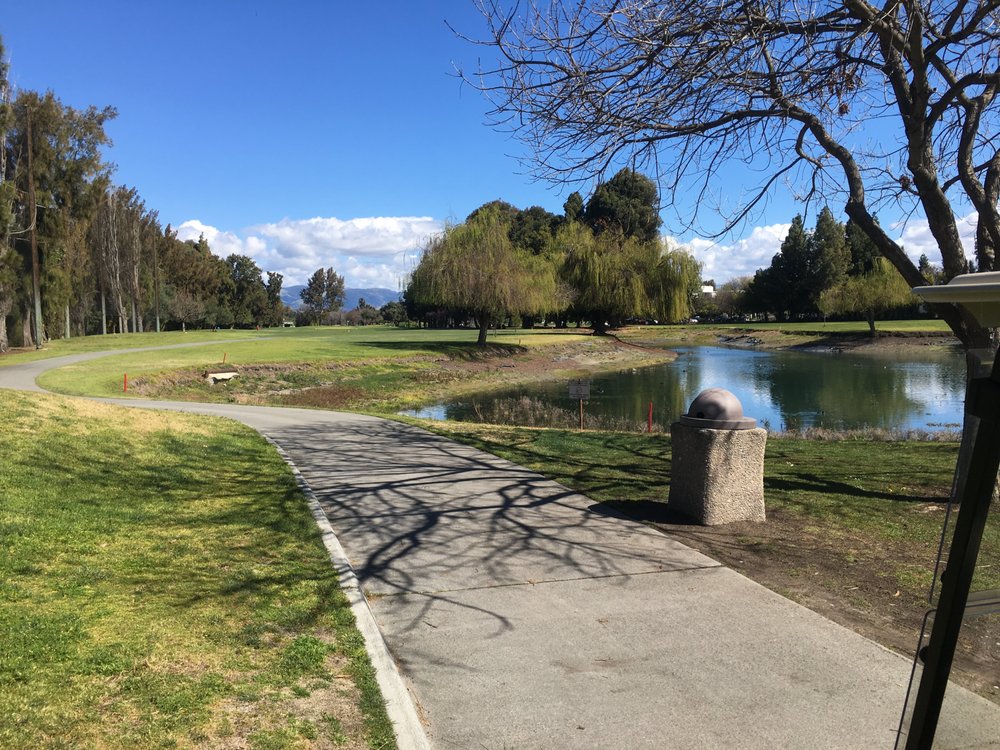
306 134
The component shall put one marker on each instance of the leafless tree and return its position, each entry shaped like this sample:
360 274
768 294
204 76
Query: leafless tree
890 105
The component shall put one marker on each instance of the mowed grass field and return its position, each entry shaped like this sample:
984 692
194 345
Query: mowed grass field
163 584
390 354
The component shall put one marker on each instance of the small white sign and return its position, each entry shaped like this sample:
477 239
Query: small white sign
579 389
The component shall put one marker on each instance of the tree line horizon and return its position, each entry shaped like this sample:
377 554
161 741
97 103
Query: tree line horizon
81 255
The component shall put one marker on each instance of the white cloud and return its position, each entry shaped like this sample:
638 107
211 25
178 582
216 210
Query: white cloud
917 240
368 252
741 258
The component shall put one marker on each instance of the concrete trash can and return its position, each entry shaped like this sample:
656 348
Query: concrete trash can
718 461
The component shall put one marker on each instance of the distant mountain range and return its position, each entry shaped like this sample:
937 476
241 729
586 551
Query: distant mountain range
374 297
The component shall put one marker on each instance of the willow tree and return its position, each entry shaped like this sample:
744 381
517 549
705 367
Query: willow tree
787 89
609 274
878 290
475 268
674 281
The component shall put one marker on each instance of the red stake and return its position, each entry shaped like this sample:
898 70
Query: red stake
125 386
649 423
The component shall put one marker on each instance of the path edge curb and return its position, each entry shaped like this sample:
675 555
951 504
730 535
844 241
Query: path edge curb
399 705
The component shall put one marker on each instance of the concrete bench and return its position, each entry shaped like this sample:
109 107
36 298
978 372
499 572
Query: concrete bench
220 377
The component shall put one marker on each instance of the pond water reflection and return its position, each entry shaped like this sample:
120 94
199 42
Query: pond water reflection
781 389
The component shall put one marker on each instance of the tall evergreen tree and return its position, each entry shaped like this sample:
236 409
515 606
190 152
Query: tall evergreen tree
864 252
793 268
573 207
8 260
627 204
66 179
831 257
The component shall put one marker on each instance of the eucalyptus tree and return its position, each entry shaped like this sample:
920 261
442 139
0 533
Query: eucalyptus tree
110 237
787 89
275 307
247 296
8 273
60 176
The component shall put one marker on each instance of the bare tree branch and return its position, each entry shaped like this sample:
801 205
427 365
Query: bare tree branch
784 87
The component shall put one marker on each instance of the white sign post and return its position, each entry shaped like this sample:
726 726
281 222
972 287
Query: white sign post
580 389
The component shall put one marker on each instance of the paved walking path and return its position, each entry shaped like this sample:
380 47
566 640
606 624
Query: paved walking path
521 615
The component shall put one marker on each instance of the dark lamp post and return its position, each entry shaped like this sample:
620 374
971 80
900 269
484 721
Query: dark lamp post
979 294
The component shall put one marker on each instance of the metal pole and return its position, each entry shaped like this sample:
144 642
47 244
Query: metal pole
956 580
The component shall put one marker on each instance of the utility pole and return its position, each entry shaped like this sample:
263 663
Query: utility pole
35 281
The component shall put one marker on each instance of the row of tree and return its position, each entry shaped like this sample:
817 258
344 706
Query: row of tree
789 91
79 255
602 261
833 269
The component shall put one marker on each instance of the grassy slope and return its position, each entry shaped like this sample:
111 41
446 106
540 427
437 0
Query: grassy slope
376 351
163 584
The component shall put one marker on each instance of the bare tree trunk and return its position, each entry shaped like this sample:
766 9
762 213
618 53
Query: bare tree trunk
66 331
484 327
27 339
104 314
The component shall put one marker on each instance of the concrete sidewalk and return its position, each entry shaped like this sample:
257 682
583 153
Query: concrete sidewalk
522 615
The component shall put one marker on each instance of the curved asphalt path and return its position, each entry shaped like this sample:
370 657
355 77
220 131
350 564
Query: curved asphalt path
521 615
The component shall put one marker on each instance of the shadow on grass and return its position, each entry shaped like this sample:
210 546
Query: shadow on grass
468 352
824 485
215 521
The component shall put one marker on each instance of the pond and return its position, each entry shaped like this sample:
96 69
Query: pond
791 390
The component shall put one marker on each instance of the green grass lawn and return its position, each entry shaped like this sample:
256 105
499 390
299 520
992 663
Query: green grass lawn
370 351
163 584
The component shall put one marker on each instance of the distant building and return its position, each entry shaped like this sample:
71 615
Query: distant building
707 290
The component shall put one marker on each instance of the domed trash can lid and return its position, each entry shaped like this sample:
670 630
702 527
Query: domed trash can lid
717 409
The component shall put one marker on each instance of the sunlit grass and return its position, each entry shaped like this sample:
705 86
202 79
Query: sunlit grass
164 585
320 346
